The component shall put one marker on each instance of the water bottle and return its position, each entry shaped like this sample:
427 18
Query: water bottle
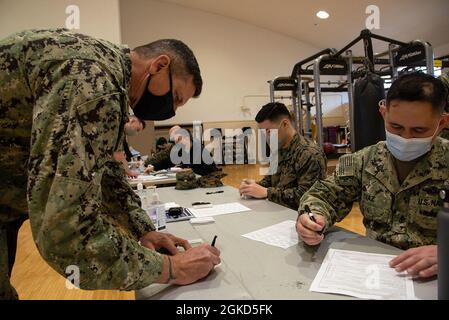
443 247
157 209
141 167
144 198
140 192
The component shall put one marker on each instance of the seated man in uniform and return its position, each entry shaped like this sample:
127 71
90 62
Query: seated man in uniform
132 128
300 161
162 144
184 140
161 159
396 181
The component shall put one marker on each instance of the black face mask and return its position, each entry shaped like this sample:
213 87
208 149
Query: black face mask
151 107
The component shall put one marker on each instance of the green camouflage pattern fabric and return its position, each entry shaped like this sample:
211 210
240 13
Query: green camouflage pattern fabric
63 106
400 215
445 133
211 180
160 160
445 78
299 166
186 180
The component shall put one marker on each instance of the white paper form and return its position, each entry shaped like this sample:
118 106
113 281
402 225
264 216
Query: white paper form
281 235
226 208
362 275
150 177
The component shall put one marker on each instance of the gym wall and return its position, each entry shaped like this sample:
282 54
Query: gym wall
99 18
441 50
236 58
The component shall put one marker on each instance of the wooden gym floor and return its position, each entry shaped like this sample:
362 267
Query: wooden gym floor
34 279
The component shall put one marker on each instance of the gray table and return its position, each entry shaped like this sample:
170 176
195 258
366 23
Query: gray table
254 270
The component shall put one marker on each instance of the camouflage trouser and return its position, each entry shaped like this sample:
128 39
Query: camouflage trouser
8 243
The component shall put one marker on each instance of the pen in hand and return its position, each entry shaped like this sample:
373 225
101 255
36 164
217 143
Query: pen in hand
213 241
312 217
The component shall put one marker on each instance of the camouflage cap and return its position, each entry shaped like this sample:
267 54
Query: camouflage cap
186 180
211 180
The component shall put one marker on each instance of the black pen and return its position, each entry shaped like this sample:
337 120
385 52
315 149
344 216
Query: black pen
312 217
213 241
199 203
213 192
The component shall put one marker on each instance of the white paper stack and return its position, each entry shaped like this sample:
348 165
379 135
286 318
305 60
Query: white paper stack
362 275
281 235
219 209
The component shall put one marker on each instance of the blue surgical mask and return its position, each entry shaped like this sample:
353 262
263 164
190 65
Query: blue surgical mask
408 149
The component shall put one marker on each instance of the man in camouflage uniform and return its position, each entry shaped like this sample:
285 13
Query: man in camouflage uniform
182 147
396 182
300 161
445 78
64 100
161 159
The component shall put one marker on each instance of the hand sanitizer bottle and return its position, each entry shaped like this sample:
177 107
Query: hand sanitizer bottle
158 211
140 192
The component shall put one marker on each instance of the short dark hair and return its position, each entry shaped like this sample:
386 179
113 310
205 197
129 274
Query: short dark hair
182 57
418 86
161 141
273 111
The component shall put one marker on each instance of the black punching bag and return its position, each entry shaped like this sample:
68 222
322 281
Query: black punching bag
369 124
